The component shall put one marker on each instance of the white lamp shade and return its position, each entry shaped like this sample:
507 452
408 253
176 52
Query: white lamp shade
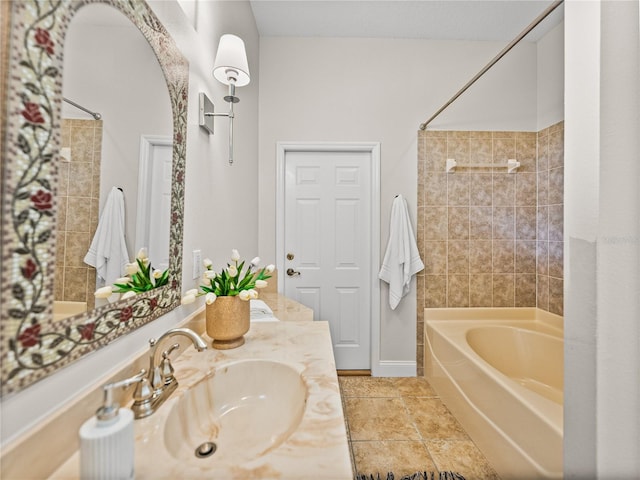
231 56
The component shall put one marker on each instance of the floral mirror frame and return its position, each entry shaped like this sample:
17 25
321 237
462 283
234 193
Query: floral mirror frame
32 345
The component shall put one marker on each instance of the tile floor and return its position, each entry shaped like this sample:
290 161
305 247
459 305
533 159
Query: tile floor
400 425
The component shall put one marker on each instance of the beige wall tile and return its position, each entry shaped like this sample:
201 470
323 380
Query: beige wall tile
458 291
543 187
526 189
75 284
80 179
436 154
526 223
504 189
504 149
76 248
480 223
480 189
504 223
435 291
435 188
556 148
503 256
543 224
480 149
556 253
434 257
542 266
436 223
542 292
525 256
556 186
458 149
78 214
481 290
525 290
556 223
458 189
458 223
556 296
480 256
458 256
526 143
503 290
543 153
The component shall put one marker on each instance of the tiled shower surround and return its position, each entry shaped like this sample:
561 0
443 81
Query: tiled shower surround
489 238
78 203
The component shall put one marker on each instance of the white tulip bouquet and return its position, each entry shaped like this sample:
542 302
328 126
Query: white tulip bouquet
233 280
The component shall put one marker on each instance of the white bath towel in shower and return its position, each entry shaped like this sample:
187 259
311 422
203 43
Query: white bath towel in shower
108 250
402 259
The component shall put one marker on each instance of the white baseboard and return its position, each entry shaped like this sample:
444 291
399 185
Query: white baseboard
394 368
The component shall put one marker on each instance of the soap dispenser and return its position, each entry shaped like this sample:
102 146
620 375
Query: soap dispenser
107 439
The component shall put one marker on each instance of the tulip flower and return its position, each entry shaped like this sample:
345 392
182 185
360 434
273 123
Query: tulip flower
232 270
255 261
253 294
188 299
210 298
104 292
128 294
157 273
261 283
270 268
244 295
209 275
235 256
207 263
131 268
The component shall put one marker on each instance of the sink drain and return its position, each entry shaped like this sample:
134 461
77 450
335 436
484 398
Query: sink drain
206 450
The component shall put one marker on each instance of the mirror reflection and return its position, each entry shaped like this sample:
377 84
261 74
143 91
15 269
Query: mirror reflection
125 90
120 163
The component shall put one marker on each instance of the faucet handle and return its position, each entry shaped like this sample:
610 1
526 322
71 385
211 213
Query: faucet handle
166 368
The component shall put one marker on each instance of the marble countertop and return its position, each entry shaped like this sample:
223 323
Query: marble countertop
318 448
286 309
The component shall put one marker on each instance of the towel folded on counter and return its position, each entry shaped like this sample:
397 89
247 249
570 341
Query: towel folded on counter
260 312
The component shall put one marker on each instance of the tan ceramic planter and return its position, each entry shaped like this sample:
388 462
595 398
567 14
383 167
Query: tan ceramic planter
227 322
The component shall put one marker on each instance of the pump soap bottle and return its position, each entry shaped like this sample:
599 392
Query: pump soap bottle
107 440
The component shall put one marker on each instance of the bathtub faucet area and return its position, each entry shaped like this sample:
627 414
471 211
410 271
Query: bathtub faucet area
152 391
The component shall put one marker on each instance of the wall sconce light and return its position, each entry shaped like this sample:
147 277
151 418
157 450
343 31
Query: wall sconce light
231 68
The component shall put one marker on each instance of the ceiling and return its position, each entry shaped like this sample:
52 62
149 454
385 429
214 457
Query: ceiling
477 20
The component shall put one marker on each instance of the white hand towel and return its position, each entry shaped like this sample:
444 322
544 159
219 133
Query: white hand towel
402 259
108 250
260 312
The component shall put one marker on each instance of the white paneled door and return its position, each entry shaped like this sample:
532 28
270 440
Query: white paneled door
154 198
328 241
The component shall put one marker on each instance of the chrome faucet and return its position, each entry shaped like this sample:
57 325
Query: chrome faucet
160 383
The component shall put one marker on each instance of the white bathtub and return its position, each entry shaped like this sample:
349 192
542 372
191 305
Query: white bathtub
500 372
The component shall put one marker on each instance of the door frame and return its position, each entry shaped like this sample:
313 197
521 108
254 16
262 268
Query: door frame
373 149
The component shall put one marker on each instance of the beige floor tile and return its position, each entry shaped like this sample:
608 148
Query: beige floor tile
368 387
399 457
433 420
379 419
413 387
461 456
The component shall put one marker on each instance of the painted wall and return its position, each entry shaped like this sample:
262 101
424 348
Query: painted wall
602 240
550 73
220 204
340 89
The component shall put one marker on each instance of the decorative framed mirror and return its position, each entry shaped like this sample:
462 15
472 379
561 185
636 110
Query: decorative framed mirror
33 343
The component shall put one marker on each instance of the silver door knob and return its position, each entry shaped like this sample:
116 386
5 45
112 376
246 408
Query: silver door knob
292 273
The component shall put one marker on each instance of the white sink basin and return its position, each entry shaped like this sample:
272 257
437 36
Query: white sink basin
246 409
